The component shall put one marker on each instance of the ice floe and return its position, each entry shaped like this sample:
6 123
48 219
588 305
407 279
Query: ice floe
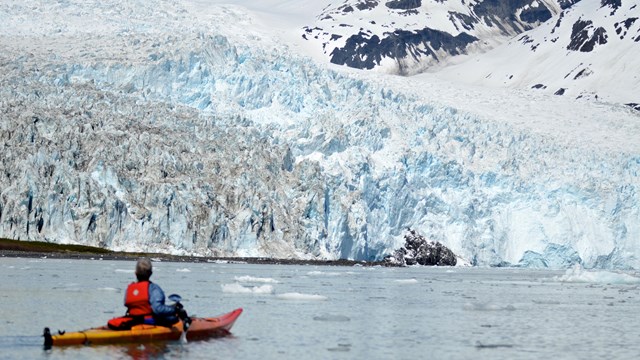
252 279
236 288
302 297
578 274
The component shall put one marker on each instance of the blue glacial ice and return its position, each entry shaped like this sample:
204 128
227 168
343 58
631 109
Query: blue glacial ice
205 144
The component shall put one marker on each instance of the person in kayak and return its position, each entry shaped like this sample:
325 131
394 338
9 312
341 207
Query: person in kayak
145 299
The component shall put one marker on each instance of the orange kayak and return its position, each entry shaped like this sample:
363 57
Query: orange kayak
201 328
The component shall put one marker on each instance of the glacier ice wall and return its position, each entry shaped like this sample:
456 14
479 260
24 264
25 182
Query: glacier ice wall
204 144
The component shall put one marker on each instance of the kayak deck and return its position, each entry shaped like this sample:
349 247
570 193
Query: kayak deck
201 328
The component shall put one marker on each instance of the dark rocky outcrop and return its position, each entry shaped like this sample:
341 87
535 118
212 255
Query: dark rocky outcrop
364 52
565 4
634 106
403 4
623 26
420 47
582 41
492 10
366 4
419 251
361 5
614 4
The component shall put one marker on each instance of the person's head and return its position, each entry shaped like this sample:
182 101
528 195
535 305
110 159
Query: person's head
143 269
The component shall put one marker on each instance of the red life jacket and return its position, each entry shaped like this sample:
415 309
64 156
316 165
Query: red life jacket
137 299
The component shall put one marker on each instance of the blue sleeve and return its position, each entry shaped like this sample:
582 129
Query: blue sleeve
156 298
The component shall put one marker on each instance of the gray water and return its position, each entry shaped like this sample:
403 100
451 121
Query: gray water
312 312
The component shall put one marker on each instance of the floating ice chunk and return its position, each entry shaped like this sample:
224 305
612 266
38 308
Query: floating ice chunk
253 279
129 271
217 261
236 288
580 275
299 296
406 281
183 270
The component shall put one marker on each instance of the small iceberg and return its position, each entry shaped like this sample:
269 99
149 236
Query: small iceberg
239 289
302 297
577 274
323 273
252 279
406 281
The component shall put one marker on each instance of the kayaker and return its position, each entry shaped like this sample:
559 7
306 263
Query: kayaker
146 299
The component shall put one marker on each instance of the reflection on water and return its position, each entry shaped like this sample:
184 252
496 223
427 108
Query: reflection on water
145 351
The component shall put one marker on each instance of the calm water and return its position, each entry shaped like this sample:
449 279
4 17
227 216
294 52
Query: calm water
314 312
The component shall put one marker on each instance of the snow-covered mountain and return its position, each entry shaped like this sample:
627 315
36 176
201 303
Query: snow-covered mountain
409 36
589 50
203 127
577 48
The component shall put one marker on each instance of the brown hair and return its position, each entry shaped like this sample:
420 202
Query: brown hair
143 269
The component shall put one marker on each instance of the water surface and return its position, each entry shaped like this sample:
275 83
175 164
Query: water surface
317 312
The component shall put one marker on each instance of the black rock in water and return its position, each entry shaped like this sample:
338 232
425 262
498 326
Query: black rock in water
418 250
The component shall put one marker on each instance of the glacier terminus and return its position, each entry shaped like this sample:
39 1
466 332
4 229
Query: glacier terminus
193 128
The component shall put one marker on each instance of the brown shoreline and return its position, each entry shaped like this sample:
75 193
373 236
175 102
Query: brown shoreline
39 249
189 259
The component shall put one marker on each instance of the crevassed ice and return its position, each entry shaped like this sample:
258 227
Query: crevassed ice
211 143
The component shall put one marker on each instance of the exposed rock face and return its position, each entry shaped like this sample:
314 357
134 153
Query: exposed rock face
410 36
418 250
399 44
589 49
585 37
614 4
403 4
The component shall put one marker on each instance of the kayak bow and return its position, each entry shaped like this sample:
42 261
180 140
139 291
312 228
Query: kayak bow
200 328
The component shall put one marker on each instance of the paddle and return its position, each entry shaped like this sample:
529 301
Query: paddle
48 340
182 314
